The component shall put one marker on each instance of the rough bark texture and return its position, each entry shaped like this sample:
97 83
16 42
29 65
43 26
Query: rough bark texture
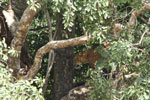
63 73
63 69
20 36
23 27
19 6
5 32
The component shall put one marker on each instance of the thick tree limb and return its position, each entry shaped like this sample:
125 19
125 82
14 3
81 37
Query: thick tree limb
135 14
20 36
133 19
53 45
23 27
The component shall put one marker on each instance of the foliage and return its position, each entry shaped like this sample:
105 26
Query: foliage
125 57
101 86
139 90
121 56
96 18
11 89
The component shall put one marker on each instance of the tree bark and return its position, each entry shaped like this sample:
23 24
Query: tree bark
8 28
63 70
63 73
19 6
20 36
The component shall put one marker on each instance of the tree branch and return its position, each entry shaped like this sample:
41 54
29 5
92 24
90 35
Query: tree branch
140 39
51 53
53 45
132 21
20 36
135 14
23 26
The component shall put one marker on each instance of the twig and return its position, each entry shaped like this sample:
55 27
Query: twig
123 17
145 21
130 75
51 53
140 39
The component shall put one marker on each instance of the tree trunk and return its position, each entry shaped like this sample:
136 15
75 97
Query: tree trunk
63 73
19 7
63 70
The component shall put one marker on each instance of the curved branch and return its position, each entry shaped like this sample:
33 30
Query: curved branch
20 35
53 45
23 26
135 14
